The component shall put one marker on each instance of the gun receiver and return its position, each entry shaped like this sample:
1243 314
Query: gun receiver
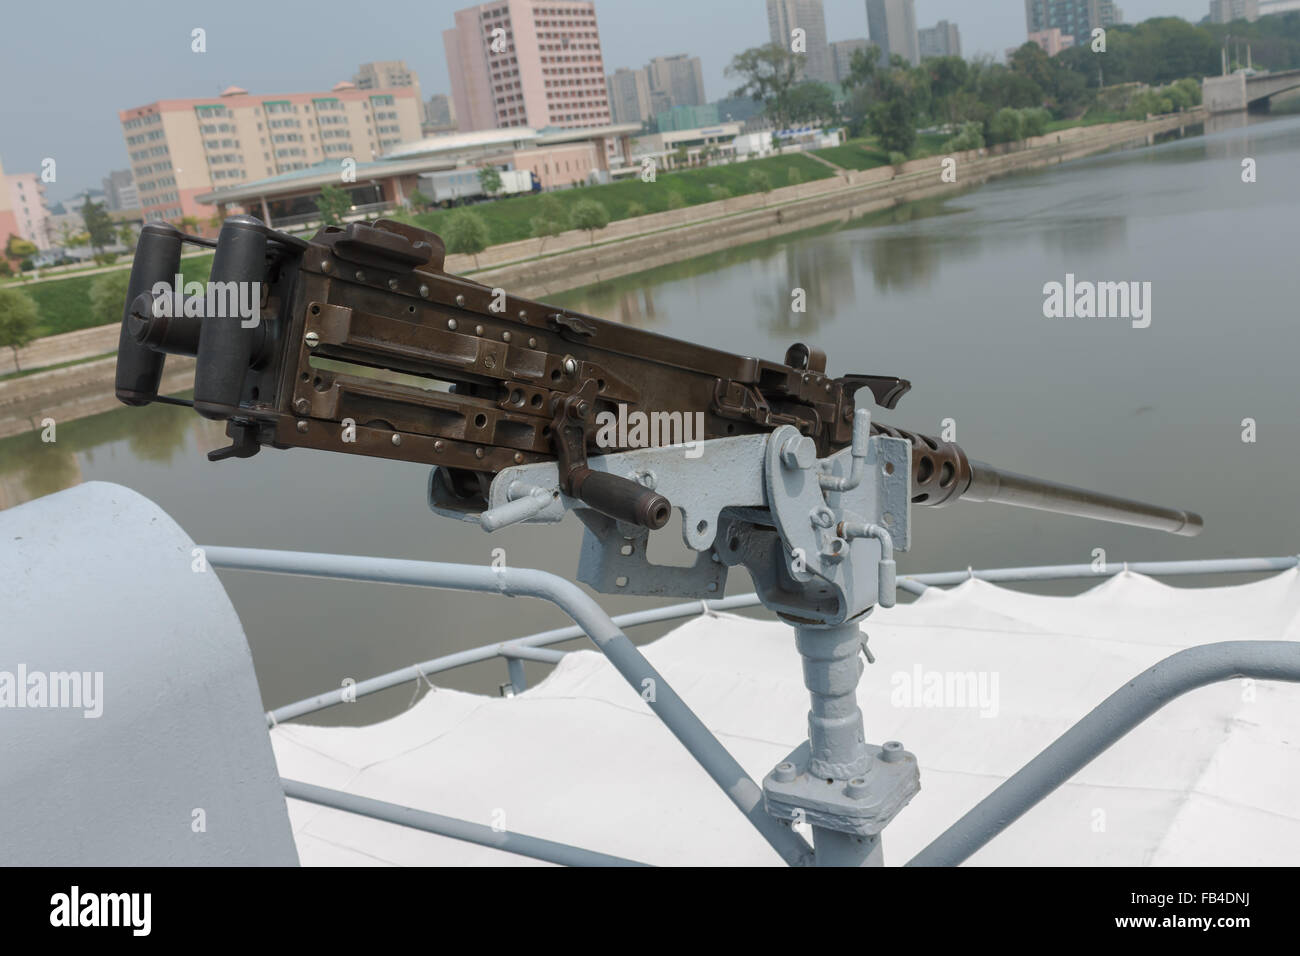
359 342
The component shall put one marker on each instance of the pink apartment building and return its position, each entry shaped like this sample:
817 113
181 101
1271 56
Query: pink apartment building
27 202
181 149
534 63
1052 41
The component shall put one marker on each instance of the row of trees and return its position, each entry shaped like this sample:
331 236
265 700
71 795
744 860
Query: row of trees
20 315
985 102
466 233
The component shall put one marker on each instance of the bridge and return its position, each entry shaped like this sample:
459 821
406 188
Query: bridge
1241 91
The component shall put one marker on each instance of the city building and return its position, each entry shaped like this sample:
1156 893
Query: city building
785 16
676 81
663 146
686 117
23 211
1052 41
629 95
527 63
842 57
120 192
1225 11
1074 18
942 39
1270 7
385 75
892 25
182 148
440 111
557 158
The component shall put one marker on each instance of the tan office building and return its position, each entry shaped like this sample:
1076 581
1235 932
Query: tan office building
533 63
180 149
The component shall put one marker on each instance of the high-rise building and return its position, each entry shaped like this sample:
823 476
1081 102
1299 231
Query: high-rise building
785 16
1076 18
120 192
892 24
181 149
534 63
1225 11
439 112
842 57
23 212
384 75
942 39
629 95
678 79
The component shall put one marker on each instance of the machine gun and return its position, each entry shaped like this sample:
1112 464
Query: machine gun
358 341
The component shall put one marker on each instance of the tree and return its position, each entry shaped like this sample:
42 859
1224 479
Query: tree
590 215
108 296
1006 126
126 235
99 225
419 201
333 204
768 74
550 220
65 233
758 181
18 315
19 248
862 68
467 234
809 102
893 119
490 179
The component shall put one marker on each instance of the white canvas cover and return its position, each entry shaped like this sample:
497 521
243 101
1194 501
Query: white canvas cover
1213 778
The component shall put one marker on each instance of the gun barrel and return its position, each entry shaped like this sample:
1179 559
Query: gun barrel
1008 488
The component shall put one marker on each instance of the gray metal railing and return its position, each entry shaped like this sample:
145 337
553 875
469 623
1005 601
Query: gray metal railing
1123 710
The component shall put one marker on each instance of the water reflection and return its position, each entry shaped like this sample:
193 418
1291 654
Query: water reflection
31 468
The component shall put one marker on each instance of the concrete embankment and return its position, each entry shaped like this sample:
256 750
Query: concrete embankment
537 268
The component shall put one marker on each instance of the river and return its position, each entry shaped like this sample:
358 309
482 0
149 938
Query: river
948 293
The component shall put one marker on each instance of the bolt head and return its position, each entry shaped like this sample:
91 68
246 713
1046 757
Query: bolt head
570 366
451 324
302 406
302 426
424 292
392 284
784 772
799 452
891 751
460 300
397 439
312 339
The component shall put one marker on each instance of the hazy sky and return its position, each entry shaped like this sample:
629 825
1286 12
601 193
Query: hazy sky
71 66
